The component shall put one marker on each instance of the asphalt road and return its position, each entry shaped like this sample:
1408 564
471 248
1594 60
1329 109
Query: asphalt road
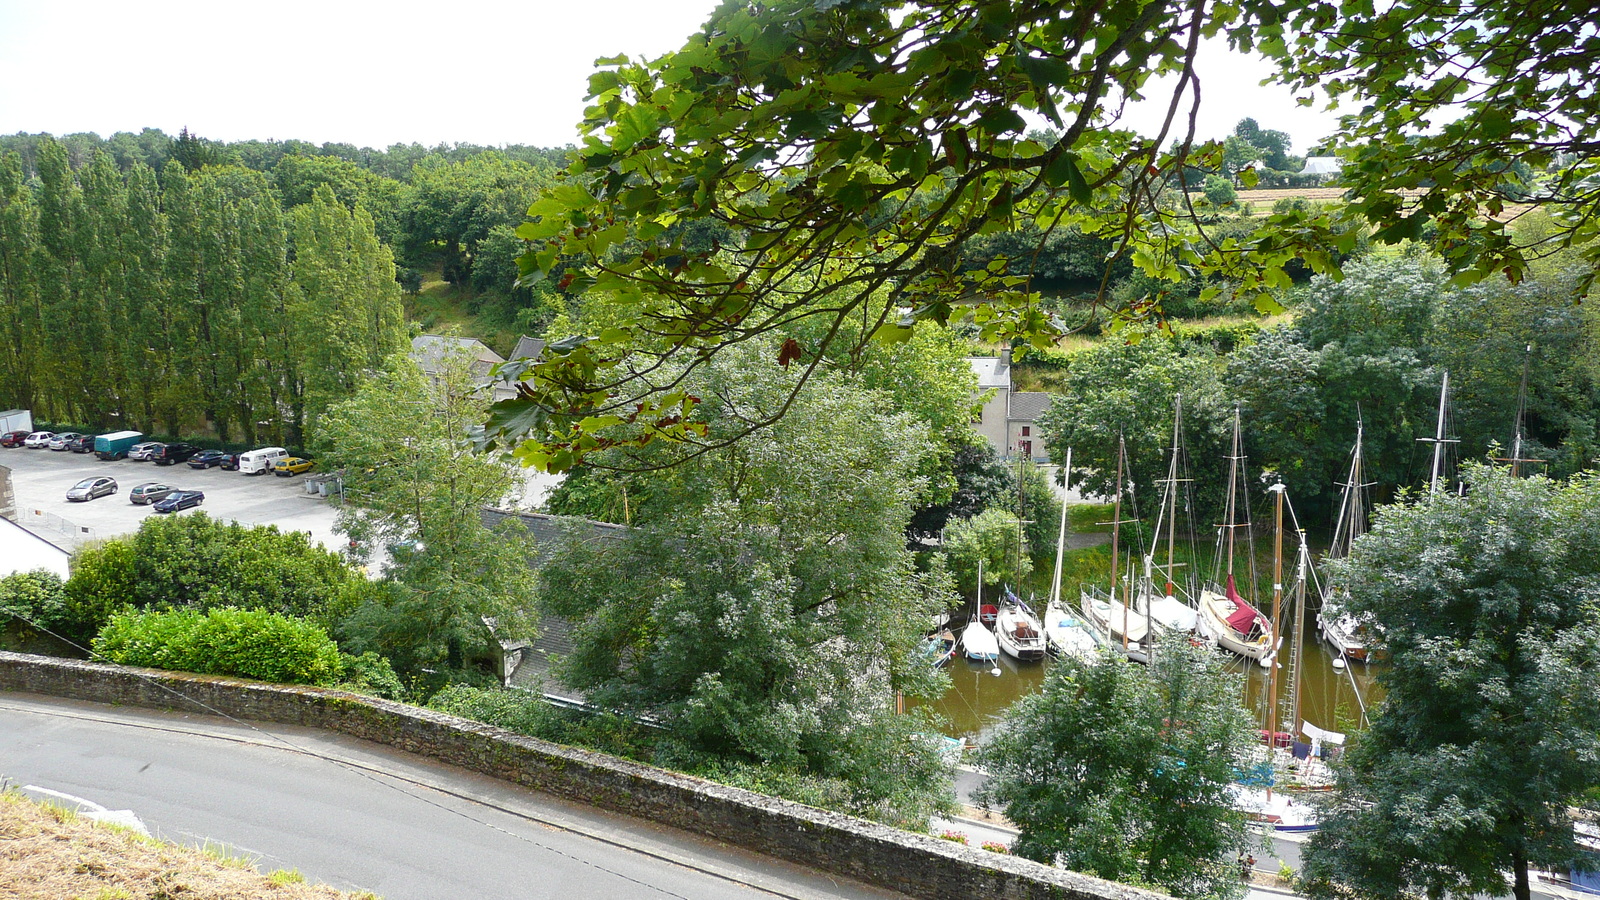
41 478
358 816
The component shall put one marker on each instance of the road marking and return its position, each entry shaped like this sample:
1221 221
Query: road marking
94 812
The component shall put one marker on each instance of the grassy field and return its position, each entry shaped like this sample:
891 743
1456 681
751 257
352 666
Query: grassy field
50 853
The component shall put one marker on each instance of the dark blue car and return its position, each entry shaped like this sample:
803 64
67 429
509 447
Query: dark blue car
179 500
205 459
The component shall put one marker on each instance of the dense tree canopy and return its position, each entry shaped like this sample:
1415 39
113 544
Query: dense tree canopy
767 609
173 303
414 496
1489 607
1124 772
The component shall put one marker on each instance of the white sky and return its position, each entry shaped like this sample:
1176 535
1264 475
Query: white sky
375 74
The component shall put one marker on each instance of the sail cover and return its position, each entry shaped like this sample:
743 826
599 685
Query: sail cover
1245 615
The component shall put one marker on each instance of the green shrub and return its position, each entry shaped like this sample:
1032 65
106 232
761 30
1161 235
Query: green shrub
372 674
1220 190
247 643
39 598
519 711
198 562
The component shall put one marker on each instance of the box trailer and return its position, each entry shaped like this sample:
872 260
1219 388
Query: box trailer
16 420
116 444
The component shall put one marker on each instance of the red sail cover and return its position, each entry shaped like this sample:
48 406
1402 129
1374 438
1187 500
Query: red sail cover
1245 615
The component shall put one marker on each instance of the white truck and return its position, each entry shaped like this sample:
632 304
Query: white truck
16 420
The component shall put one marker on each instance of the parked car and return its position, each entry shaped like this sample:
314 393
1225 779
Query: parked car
13 438
83 443
179 500
144 451
90 488
205 459
38 439
60 441
174 453
294 465
229 463
150 492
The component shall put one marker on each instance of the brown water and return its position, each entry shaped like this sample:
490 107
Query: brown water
1329 699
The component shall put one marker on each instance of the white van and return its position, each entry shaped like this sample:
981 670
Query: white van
256 461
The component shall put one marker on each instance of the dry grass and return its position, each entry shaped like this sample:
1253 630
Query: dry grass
49 853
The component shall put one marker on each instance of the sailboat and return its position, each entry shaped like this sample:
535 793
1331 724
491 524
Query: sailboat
1163 607
1347 632
1225 615
1114 622
1017 631
1065 633
977 641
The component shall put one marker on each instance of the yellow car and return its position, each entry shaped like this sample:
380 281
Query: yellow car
293 465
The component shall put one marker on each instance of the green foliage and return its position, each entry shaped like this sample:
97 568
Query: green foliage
38 598
993 537
372 674
981 480
412 480
250 337
1219 190
1488 606
1123 772
853 154
1127 390
768 610
198 562
245 643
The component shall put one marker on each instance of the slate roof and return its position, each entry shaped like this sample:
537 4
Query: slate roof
528 348
555 634
430 349
1027 406
992 371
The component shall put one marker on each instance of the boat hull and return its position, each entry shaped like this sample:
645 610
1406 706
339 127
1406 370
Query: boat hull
1215 608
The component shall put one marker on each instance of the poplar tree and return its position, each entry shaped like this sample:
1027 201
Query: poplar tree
21 316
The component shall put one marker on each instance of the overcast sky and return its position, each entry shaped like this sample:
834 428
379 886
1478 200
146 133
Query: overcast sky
376 74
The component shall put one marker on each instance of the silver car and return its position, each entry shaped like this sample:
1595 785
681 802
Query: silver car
60 441
150 492
90 488
145 451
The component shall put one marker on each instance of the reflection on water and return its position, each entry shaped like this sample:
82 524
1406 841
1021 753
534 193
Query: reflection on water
1329 699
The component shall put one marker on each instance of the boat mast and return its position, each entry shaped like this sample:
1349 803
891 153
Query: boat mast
1172 489
1438 440
1061 537
1116 528
1277 610
1233 487
1296 657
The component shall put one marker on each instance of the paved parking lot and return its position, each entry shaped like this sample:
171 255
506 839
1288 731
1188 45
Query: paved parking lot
40 479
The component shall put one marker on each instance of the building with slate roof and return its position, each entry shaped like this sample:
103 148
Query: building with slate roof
1009 417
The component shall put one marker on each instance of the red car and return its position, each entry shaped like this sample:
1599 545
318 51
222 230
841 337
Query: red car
13 438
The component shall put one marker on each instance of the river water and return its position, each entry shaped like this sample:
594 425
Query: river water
1329 699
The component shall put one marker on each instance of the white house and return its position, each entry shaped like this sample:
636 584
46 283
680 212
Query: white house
1325 167
1008 418
23 551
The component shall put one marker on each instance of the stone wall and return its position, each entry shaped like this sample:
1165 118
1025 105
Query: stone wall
914 864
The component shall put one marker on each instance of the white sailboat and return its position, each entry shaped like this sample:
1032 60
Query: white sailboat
1347 632
1017 631
977 641
1115 623
1065 633
1225 615
1165 609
